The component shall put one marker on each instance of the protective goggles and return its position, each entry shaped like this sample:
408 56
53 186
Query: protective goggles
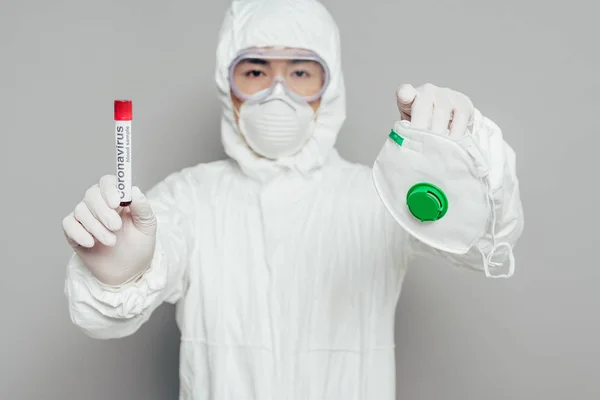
254 73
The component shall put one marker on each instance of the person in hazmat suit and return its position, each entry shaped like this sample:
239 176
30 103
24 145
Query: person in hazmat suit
284 260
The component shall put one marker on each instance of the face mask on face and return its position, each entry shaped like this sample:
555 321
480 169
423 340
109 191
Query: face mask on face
278 125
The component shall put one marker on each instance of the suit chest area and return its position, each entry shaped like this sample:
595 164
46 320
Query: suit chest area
289 232
286 259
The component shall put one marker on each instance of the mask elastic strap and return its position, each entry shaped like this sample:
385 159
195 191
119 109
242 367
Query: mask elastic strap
487 260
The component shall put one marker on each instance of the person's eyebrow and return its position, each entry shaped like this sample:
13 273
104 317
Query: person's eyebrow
258 61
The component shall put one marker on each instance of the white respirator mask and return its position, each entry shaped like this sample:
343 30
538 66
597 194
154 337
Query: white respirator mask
438 189
276 125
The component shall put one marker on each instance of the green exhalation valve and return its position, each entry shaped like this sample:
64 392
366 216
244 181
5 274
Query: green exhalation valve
427 202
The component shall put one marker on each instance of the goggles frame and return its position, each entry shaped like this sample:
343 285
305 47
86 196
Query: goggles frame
278 53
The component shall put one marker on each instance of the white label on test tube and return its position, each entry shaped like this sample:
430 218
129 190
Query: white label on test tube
123 117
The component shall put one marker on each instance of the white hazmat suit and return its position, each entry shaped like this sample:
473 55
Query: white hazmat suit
286 273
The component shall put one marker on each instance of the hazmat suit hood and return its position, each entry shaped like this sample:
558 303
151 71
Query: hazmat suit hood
304 24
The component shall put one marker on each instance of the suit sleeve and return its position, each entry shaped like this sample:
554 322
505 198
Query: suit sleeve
106 312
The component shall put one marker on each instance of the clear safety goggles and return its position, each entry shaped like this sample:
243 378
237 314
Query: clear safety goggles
254 73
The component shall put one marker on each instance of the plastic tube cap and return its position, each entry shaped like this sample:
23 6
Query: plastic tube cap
123 110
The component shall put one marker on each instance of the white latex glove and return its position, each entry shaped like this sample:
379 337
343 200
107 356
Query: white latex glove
116 243
438 110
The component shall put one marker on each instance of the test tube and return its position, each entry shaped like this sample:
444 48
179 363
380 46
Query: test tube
123 117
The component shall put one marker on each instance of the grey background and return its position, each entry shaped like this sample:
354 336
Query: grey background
529 65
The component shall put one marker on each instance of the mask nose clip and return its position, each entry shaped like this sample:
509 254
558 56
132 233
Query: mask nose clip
280 89
278 86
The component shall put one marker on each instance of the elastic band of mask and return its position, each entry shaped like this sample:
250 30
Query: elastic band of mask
487 260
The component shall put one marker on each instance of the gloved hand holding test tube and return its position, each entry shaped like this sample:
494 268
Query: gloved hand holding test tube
113 229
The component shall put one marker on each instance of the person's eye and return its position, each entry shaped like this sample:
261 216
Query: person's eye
253 73
301 74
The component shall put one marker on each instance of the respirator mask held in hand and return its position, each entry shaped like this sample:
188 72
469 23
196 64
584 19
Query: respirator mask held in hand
437 188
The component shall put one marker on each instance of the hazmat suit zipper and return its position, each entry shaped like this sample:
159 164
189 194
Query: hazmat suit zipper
272 302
